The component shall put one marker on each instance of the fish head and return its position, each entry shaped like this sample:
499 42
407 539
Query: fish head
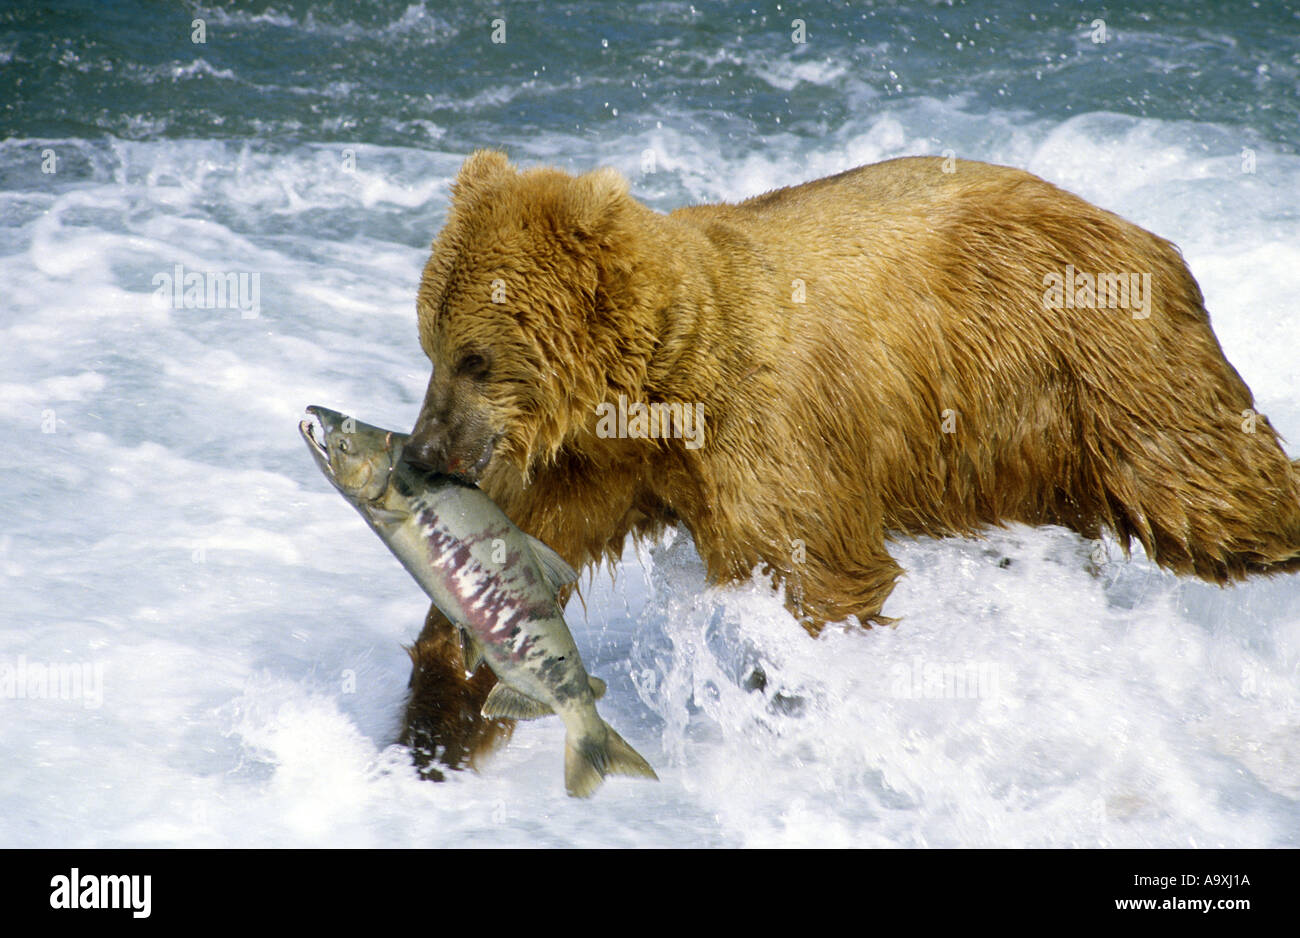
356 457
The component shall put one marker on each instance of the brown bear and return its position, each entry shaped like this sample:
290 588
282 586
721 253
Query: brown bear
918 346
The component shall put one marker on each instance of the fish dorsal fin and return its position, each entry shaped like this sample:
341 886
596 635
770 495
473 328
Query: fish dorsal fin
505 702
597 687
471 652
556 568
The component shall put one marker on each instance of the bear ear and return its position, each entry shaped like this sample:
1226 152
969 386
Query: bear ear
481 170
593 201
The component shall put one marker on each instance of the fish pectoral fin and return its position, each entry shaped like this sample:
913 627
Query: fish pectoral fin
504 702
597 687
388 515
471 652
556 568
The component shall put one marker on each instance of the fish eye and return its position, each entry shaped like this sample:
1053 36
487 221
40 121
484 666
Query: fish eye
343 445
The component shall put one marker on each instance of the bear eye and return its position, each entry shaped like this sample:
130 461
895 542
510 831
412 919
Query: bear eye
473 365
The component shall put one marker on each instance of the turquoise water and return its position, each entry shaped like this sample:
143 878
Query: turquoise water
420 74
164 523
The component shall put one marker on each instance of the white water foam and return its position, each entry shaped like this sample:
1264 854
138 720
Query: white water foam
173 529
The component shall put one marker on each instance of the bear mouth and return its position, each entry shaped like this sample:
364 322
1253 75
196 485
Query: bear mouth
485 457
464 464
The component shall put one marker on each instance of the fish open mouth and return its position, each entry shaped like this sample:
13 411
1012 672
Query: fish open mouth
308 428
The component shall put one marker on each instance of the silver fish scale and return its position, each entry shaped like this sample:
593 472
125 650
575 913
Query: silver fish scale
508 607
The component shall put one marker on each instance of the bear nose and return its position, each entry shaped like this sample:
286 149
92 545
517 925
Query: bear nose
426 451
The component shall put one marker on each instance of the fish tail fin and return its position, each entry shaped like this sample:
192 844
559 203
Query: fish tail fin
589 759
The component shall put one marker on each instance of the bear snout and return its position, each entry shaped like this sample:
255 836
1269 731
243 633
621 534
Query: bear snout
427 450
433 448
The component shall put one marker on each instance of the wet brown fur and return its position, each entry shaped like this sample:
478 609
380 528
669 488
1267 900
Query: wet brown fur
443 724
824 419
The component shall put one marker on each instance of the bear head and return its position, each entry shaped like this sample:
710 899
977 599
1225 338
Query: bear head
531 314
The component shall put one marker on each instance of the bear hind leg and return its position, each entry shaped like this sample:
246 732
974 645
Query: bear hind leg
1218 516
443 725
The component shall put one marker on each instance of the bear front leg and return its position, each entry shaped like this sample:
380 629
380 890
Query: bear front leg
837 589
443 723
825 579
